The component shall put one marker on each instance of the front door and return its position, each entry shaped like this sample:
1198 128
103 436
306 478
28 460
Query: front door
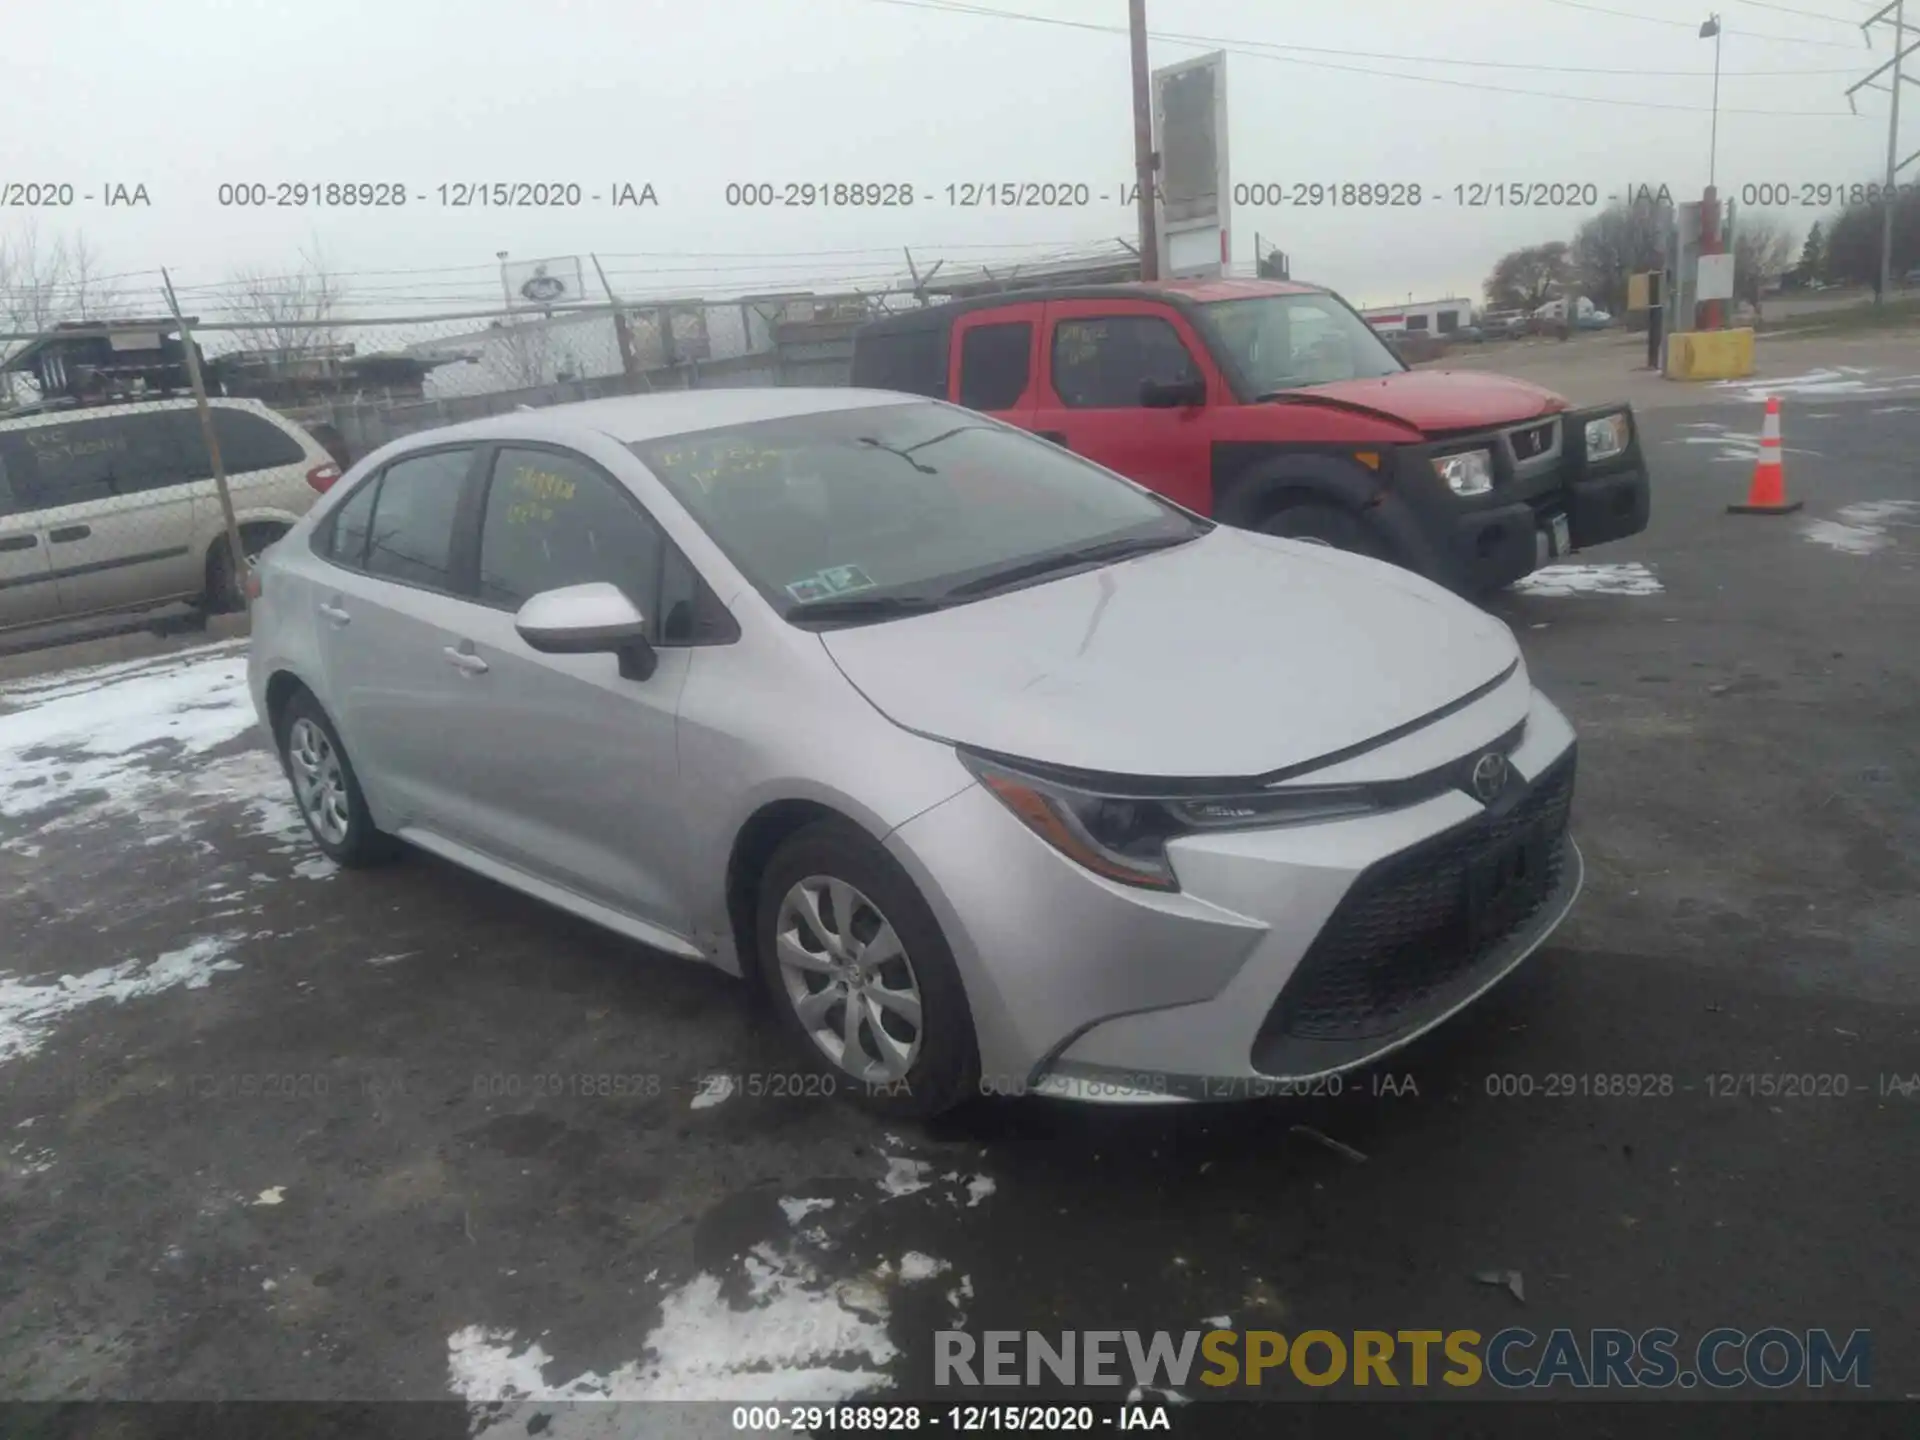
1098 354
27 591
575 771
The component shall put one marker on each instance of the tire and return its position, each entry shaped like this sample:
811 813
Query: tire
1320 523
223 595
335 811
900 1070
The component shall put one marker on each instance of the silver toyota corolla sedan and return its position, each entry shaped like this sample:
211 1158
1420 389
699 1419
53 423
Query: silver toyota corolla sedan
993 769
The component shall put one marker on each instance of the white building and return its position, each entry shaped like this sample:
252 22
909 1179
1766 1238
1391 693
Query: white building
1429 317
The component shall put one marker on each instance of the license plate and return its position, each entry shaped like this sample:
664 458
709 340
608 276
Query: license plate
1504 884
1562 536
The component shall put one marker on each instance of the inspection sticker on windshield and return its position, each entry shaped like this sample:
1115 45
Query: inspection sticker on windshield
834 580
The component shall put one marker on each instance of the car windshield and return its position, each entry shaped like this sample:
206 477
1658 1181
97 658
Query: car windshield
887 509
1287 342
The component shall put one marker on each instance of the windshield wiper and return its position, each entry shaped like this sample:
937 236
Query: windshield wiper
865 607
1069 560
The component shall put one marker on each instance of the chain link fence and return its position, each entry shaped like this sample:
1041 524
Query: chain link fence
119 489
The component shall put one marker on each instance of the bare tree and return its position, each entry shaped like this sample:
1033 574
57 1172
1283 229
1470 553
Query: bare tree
293 309
1762 252
1527 278
1621 241
45 279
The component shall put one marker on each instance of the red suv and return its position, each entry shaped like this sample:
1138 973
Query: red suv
1275 407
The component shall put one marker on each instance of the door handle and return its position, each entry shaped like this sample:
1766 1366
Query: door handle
69 532
18 542
465 660
335 614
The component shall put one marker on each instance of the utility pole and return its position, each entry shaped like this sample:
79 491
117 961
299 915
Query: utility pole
1710 202
1143 156
1894 14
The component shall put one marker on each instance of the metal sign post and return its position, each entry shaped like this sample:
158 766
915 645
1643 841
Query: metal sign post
236 552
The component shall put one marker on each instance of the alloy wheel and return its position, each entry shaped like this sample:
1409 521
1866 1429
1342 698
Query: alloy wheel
849 979
319 781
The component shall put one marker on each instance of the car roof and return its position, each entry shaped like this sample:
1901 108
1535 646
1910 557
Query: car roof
54 411
633 418
1178 292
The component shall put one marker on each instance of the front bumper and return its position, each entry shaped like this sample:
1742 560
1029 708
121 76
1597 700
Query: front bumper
1289 955
1485 542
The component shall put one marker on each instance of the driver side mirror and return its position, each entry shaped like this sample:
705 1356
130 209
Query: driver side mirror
1173 394
592 619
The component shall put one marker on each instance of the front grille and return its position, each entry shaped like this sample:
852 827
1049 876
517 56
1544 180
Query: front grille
1402 932
1533 441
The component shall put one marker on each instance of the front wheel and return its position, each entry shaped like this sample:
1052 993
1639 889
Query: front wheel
1318 523
864 981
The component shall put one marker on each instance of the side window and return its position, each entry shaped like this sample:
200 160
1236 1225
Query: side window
994 363
70 464
1099 364
553 520
248 442
413 518
8 504
1417 323
347 531
1449 321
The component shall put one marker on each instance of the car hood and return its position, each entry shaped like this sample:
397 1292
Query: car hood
1235 655
1438 401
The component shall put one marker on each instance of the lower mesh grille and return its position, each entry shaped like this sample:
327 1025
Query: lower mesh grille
1407 927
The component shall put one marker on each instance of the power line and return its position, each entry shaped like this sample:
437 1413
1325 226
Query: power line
1240 47
1808 14
1693 26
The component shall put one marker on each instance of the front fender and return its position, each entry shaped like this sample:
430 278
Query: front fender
1250 492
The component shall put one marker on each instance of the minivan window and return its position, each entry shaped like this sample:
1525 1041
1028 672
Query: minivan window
994 364
552 520
897 499
103 457
1099 364
413 516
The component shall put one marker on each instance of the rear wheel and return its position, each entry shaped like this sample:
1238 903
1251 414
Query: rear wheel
1319 523
327 790
864 982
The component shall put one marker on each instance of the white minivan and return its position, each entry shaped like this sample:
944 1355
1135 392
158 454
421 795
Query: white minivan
113 507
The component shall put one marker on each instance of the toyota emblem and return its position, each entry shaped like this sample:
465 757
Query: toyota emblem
1489 776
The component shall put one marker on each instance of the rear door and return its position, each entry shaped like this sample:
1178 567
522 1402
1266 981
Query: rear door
27 591
994 362
1096 355
391 610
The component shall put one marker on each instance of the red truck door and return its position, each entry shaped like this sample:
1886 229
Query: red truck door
994 361
1094 356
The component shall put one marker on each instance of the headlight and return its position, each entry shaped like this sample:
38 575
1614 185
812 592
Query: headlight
1125 837
1608 436
1468 473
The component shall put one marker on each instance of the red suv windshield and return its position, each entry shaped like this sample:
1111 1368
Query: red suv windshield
1287 342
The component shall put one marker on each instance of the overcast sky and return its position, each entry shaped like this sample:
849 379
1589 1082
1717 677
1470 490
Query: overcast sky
689 95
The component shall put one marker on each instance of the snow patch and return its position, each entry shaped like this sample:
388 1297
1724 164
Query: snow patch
272 1195
905 1177
29 1012
1631 578
915 1267
1862 528
978 1189
799 1339
714 1090
798 1210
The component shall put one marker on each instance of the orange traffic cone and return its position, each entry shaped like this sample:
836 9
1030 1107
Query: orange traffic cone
1768 493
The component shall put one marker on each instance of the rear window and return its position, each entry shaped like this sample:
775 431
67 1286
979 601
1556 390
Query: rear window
103 457
994 364
911 360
